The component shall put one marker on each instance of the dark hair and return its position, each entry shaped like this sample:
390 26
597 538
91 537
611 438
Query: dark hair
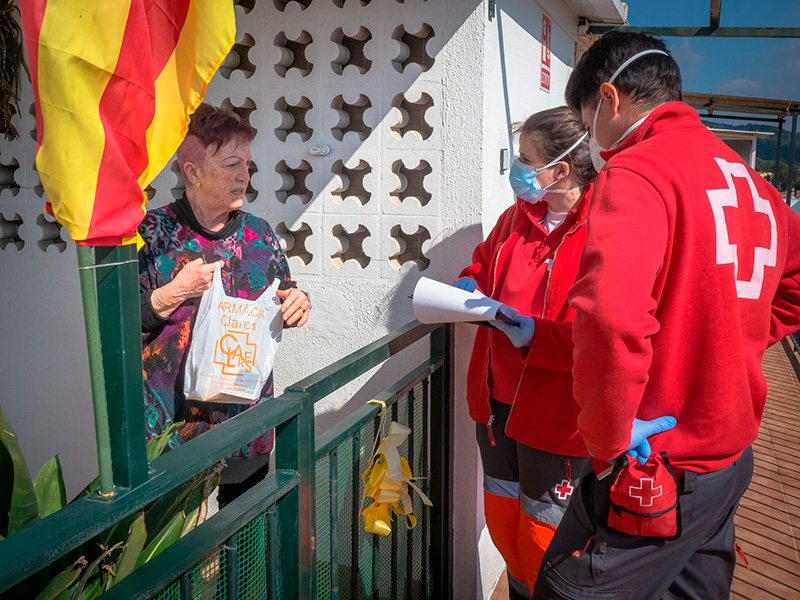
649 81
216 127
552 132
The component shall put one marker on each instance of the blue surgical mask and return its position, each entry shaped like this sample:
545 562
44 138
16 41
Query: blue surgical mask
524 182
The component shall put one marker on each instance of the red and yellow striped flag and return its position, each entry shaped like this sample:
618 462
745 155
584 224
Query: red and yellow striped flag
115 82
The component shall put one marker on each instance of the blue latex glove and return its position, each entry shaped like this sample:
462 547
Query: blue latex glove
521 335
639 447
468 284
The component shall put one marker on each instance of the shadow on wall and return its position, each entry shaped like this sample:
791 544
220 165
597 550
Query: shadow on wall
455 249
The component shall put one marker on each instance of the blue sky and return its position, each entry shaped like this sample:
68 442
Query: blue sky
765 68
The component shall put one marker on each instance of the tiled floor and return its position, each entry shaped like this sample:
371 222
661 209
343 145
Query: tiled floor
768 520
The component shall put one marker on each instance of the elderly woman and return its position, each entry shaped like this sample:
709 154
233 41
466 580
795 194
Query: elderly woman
519 385
183 243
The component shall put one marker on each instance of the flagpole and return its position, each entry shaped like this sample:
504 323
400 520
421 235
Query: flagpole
86 272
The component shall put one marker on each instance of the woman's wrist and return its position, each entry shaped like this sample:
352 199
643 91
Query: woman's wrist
164 301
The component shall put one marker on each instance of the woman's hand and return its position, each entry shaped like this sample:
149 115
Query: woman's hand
191 281
294 306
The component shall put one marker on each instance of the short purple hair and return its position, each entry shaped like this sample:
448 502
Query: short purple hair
217 126
212 127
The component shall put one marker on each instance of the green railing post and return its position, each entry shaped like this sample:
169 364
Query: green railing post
110 290
297 513
92 325
117 277
441 450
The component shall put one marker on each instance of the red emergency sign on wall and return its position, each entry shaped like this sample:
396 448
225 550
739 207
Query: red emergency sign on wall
545 79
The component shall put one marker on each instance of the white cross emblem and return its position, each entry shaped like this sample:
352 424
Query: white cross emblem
647 494
726 251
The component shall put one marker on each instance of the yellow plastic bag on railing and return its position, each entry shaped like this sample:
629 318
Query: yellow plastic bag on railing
386 480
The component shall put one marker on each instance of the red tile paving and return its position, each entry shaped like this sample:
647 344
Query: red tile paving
768 519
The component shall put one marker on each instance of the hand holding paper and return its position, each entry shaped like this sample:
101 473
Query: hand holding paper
436 302
520 333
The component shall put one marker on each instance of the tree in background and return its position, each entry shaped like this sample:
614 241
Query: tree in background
779 181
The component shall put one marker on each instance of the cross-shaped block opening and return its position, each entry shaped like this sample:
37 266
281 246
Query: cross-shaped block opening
247 5
350 246
293 242
9 232
293 54
282 4
351 117
413 48
411 182
293 119
32 112
38 189
7 171
293 182
351 51
179 189
238 59
409 247
150 191
244 110
352 182
51 234
341 3
251 193
412 116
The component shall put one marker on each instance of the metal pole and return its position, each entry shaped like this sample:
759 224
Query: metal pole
441 490
778 141
792 149
117 279
92 323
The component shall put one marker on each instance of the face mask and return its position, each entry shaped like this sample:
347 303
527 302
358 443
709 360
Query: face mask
594 147
524 182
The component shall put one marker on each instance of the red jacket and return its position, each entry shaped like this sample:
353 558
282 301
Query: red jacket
544 414
691 270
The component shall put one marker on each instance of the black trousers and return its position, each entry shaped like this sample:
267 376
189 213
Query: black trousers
228 492
697 565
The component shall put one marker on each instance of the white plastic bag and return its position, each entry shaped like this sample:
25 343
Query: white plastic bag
233 347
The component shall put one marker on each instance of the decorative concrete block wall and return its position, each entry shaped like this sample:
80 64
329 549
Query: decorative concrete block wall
414 100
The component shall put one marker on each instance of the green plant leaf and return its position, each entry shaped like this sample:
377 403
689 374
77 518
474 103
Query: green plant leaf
24 510
6 483
191 521
90 573
156 446
60 583
168 536
162 511
51 495
93 589
137 535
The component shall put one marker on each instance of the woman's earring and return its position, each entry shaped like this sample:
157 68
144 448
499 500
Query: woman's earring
197 184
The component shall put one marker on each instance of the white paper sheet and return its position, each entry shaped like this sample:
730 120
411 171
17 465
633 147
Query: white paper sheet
436 302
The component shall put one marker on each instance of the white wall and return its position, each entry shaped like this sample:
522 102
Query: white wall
512 92
45 378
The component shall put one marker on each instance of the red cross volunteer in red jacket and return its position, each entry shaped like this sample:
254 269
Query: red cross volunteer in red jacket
522 399
691 270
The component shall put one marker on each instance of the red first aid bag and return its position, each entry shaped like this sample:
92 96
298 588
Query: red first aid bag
644 498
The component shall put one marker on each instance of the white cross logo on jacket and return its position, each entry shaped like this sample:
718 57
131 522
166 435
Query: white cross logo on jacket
727 251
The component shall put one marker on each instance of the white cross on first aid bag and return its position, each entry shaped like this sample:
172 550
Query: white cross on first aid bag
234 342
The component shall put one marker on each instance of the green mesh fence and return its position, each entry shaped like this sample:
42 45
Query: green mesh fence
173 592
396 565
209 579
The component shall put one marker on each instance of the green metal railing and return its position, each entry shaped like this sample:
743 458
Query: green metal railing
297 534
